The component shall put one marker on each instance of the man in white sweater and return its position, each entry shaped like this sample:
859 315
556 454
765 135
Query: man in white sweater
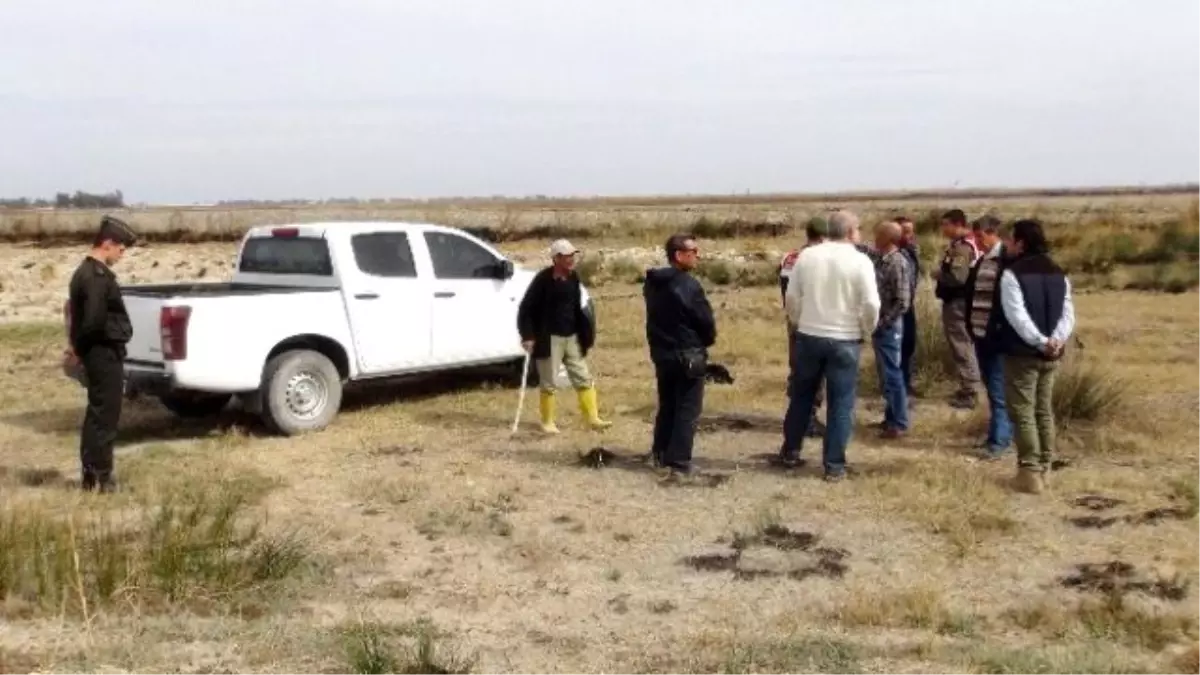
833 301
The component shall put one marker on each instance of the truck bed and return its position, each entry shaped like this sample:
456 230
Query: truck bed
212 289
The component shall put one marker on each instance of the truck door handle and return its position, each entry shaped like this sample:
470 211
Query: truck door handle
367 296
444 294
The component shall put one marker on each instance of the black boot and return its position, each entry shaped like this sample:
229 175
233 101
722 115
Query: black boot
107 484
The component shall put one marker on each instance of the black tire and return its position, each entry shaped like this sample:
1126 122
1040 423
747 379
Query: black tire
301 392
195 405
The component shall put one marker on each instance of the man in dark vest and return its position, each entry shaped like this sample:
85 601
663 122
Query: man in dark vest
1036 321
982 309
558 333
98 330
951 290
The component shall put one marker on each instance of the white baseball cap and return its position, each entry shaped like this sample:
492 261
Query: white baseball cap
563 247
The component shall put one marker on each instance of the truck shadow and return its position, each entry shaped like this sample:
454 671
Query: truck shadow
145 419
374 394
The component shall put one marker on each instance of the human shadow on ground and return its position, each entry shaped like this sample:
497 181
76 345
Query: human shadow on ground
607 457
32 477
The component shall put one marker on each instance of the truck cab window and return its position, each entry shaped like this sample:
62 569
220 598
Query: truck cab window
384 254
279 255
455 257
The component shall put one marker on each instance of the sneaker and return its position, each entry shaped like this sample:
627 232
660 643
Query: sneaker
892 434
787 462
835 477
679 469
993 453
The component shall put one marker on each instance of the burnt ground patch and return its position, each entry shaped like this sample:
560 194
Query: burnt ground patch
776 536
1118 577
1099 503
739 422
788 553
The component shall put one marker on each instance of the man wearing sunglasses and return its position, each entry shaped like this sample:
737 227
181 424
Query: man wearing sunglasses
680 328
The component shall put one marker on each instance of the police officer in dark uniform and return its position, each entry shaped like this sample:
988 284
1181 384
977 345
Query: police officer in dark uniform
99 330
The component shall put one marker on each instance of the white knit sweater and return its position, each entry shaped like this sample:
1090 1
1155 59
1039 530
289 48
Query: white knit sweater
833 293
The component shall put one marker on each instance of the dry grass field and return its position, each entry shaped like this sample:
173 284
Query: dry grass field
416 535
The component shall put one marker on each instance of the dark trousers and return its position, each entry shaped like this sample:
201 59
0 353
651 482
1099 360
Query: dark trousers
680 400
104 367
791 335
908 346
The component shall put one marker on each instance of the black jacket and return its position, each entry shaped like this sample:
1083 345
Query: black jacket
98 315
533 316
678 316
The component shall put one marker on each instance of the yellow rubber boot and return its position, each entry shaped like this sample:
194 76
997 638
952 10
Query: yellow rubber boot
546 406
591 409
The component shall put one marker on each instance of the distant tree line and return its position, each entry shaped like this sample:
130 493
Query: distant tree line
66 200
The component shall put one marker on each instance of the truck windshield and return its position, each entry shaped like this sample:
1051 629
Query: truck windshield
284 255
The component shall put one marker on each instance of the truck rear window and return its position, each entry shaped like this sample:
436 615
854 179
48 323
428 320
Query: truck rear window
283 255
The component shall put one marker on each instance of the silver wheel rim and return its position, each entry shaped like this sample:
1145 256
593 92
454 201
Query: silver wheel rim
306 395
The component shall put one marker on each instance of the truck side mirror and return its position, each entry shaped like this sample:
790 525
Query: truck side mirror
504 269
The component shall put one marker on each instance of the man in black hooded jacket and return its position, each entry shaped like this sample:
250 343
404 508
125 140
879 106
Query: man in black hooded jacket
679 328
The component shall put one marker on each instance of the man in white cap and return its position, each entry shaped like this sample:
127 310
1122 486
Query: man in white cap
556 331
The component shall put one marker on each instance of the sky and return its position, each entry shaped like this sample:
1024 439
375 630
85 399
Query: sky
178 101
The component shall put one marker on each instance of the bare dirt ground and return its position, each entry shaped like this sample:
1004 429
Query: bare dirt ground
421 515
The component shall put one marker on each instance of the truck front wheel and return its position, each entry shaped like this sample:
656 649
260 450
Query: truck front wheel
194 405
302 391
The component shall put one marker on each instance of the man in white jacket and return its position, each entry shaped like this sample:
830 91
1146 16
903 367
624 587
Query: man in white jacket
833 301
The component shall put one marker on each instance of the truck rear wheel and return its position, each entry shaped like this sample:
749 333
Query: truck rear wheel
194 404
302 391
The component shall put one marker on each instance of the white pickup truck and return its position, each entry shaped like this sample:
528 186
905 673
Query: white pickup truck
314 306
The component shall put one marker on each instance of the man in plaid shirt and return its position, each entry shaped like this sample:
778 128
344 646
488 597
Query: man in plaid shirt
895 297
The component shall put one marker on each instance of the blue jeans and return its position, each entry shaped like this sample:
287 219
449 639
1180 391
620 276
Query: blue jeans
991 370
886 341
836 362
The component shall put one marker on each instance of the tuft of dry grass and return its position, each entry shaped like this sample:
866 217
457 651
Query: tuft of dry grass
962 506
1113 618
188 547
370 648
1085 392
921 607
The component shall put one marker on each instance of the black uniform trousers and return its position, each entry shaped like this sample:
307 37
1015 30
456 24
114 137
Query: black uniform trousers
680 399
105 370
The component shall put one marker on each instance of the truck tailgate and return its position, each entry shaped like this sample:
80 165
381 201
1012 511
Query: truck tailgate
146 344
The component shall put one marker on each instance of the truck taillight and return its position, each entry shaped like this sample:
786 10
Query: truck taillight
173 323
